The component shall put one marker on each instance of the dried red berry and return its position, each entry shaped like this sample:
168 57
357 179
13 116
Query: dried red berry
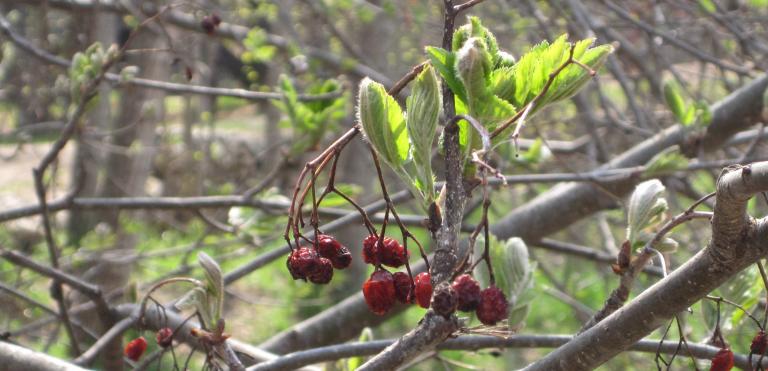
379 292
392 253
493 306
164 337
423 289
329 247
759 343
322 272
723 360
371 250
302 262
343 259
403 287
208 25
468 291
135 348
445 300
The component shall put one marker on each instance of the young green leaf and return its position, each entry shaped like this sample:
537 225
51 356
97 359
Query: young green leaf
383 123
664 162
646 204
445 64
674 98
423 112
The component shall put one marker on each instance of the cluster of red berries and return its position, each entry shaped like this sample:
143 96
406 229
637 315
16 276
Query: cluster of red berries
210 23
383 289
316 263
490 304
387 251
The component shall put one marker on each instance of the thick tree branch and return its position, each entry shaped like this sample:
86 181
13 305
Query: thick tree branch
737 242
14 357
473 343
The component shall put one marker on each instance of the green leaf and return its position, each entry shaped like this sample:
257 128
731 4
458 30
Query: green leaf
423 113
503 83
574 77
383 123
674 99
445 64
707 6
665 162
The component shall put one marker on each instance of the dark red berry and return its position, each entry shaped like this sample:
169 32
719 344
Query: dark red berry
322 272
723 360
371 250
215 19
392 253
445 300
329 247
208 25
493 306
423 289
164 337
759 343
379 292
468 291
403 287
343 259
302 262
135 348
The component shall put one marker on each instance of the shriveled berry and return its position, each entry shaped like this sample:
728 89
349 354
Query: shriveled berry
343 259
164 337
371 250
723 360
403 287
392 253
423 289
468 291
759 343
379 292
328 247
302 262
208 25
493 306
135 348
322 272
445 301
